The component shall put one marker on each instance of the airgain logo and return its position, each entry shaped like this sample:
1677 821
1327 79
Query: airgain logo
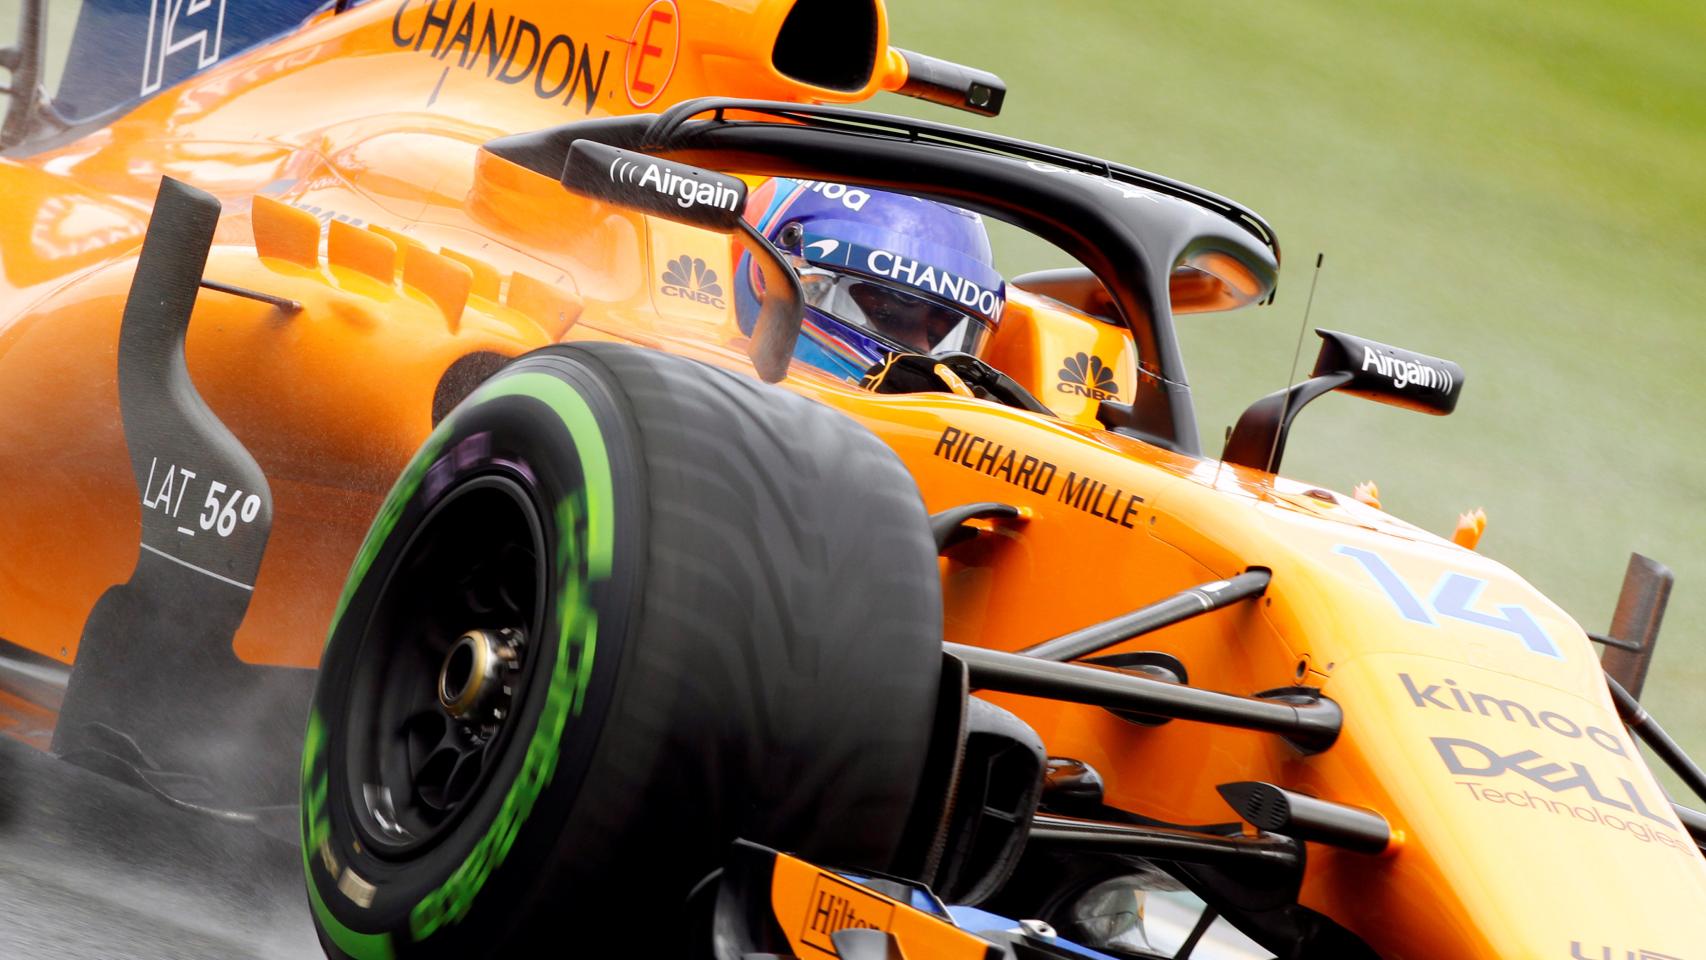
1087 376
688 278
1405 372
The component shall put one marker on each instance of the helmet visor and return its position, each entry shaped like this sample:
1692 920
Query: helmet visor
892 312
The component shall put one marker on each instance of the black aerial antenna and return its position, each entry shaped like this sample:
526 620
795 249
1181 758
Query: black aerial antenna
1297 353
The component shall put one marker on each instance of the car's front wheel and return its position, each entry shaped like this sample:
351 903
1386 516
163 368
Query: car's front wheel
619 609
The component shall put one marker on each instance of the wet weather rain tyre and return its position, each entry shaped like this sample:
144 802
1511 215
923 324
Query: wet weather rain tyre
700 608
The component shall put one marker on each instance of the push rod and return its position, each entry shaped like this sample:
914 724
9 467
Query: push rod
1163 843
1642 724
1694 822
1310 726
1180 606
1274 809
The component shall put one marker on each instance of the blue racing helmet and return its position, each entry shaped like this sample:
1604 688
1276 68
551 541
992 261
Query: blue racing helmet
882 272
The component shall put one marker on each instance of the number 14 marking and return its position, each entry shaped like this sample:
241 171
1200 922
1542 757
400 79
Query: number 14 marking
1453 597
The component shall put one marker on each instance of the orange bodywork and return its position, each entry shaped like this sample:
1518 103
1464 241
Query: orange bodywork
1526 823
810 904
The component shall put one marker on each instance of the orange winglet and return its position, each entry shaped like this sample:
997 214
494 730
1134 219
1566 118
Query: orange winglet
445 281
486 279
553 308
1470 526
284 232
362 251
1367 493
402 240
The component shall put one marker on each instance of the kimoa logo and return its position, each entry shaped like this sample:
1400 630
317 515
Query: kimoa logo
1448 696
687 191
1406 372
1087 376
689 279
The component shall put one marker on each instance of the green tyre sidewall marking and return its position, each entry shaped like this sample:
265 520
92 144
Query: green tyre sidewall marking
315 828
565 691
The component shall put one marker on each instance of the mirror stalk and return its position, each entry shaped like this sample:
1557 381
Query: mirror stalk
1259 438
781 311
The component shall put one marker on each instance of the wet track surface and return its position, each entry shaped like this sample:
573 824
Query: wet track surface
92 868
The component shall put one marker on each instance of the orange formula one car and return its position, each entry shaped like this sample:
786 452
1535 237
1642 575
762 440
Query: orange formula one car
406 424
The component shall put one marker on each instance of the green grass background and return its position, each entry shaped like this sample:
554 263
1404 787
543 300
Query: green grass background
1518 187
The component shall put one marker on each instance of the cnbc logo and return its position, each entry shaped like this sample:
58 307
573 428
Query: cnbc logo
689 279
1087 376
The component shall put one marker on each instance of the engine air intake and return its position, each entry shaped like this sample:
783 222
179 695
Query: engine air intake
828 44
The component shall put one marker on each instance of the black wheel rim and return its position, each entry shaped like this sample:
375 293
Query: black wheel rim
474 566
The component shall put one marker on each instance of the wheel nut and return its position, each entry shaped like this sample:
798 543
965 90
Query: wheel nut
468 682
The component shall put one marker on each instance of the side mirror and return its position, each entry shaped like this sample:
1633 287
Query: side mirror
1391 375
698 198
1363 368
